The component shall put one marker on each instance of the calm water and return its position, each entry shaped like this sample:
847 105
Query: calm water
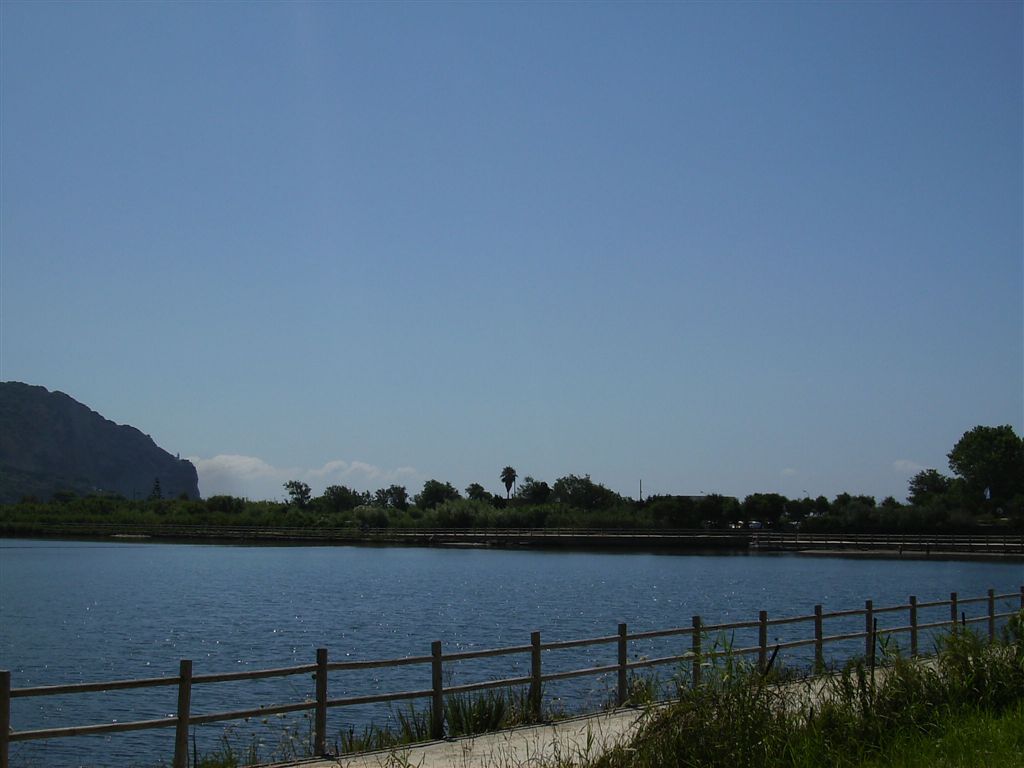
78 612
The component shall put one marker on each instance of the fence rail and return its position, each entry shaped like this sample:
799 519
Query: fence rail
320 702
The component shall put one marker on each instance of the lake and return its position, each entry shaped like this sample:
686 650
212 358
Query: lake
92 611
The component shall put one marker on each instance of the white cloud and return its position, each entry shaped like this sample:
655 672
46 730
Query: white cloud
253 478
232 464
906 466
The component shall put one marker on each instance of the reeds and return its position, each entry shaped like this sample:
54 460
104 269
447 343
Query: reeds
465 714
740 718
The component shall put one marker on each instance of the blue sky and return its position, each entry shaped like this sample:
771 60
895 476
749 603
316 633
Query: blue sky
714 247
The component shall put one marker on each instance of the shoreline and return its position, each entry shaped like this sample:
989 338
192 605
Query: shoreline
604 542
881 554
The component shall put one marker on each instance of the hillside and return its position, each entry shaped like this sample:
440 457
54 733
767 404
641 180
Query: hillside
50 442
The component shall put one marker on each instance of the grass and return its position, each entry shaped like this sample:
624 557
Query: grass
465 715
293 742
493 710
970 739
855 718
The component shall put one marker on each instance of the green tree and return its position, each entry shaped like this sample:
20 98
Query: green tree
927 485
508 477
845 500
583 493
299 492
798 510
532 491
227 505
339 498
991 462
156 493
434 492
716 510
764 507
477 492
673 511
399 497
394 496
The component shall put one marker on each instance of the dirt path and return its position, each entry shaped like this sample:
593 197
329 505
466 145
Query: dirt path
565 743
562 743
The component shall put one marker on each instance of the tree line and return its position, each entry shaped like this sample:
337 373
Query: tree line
985 489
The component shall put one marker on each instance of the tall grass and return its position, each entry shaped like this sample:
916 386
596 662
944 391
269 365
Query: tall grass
465 714
970 739
739 718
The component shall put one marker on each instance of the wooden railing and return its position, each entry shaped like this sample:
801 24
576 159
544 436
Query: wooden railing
320 702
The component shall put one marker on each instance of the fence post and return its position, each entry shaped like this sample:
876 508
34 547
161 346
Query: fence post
819 651
695 647
762 641
5 717
536 692
437 696
184 707
913 627
952 610
869 628
623 660
991 615
320 728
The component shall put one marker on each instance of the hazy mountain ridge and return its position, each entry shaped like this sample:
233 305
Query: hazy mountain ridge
50 442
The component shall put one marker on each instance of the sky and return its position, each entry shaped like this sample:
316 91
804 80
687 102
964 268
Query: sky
709 247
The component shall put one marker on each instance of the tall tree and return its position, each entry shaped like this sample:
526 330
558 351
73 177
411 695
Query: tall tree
764 507
583 493
435 492
339 498
300 493
532 491
508 477
991 462
926 485
477 492
399 497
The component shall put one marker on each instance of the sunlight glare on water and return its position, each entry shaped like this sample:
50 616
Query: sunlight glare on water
87 611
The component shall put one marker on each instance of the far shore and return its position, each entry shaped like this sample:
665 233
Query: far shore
860 546
888 554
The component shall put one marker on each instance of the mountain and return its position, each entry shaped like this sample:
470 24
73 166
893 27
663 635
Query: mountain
50 442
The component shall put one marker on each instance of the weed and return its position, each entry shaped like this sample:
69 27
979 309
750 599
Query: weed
739 717
466 714
411 725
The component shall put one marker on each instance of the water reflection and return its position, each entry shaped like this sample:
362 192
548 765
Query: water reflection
77 612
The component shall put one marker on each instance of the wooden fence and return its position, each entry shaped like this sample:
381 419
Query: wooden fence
321 702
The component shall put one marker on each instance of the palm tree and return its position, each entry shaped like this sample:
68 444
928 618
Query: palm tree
508 477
